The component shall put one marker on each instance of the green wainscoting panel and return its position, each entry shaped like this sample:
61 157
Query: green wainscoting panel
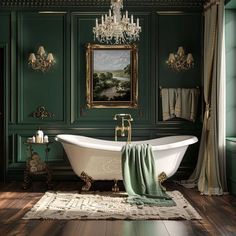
5 23
231 4
36 88
80 37
230 44
231 163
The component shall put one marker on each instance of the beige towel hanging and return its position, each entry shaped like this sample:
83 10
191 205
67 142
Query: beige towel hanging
180 102
168 103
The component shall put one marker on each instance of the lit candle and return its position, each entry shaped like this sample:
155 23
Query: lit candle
126 14
132 19
189 58
180 51
96 22
110 12
50 58
32 58
41 51
137 22
171 58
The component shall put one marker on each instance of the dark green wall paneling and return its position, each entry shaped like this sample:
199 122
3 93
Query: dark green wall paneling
38 88
63 89
175 30
80 37
231 163
231 4
5 26
230 44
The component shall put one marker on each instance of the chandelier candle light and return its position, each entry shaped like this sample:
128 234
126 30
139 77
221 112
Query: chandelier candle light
41 61
180 61
116 28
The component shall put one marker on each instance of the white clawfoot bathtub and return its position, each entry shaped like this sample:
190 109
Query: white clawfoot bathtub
101 159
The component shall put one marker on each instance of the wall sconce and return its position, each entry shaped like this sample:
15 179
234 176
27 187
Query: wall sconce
40 60
180 61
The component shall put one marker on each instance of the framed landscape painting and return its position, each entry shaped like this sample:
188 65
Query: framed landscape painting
111 76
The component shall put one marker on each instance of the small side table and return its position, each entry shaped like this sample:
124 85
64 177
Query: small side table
28 174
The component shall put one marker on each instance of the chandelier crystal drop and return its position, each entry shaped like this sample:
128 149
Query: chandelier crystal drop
116 28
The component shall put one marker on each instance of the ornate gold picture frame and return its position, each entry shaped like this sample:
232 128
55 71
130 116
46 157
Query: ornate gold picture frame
112 72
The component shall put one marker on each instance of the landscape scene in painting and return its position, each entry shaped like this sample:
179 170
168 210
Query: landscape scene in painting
111 75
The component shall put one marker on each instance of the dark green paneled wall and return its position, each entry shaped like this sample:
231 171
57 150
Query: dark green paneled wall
174 30
230 43
81 37
38 88
62 90
5 26
231 163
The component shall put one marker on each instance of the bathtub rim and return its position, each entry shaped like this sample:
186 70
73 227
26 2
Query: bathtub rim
107 145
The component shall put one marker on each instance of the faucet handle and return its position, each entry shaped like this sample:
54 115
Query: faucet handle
122 115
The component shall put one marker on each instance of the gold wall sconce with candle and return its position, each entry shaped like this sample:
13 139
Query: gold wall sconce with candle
41 61
180 61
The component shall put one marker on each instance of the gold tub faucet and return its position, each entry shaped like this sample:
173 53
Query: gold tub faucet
125 126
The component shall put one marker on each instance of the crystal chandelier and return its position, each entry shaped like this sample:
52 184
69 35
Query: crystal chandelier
116 28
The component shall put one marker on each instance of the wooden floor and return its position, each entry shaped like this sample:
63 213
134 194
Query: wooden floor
218 213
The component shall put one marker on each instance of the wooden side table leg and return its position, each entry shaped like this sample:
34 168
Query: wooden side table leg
27 180
49 179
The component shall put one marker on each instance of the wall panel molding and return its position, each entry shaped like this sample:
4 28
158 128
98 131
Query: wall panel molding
169 37
78 3
79 111
35 88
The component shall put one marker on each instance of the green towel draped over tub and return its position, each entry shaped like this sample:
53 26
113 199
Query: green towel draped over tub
138 169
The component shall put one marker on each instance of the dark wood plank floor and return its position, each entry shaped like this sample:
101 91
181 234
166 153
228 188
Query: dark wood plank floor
219 216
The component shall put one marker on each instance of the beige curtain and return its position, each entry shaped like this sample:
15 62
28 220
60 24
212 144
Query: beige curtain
209 174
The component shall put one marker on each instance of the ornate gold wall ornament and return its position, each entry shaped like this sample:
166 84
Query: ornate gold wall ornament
42 113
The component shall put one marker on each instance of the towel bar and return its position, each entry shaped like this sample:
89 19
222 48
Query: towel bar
160 87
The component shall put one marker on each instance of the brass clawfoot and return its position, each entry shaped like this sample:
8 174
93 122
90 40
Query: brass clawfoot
115 188
88 181
161 178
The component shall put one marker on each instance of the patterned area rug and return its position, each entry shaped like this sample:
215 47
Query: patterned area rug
98 205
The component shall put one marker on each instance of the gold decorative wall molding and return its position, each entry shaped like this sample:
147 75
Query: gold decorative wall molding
41 113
